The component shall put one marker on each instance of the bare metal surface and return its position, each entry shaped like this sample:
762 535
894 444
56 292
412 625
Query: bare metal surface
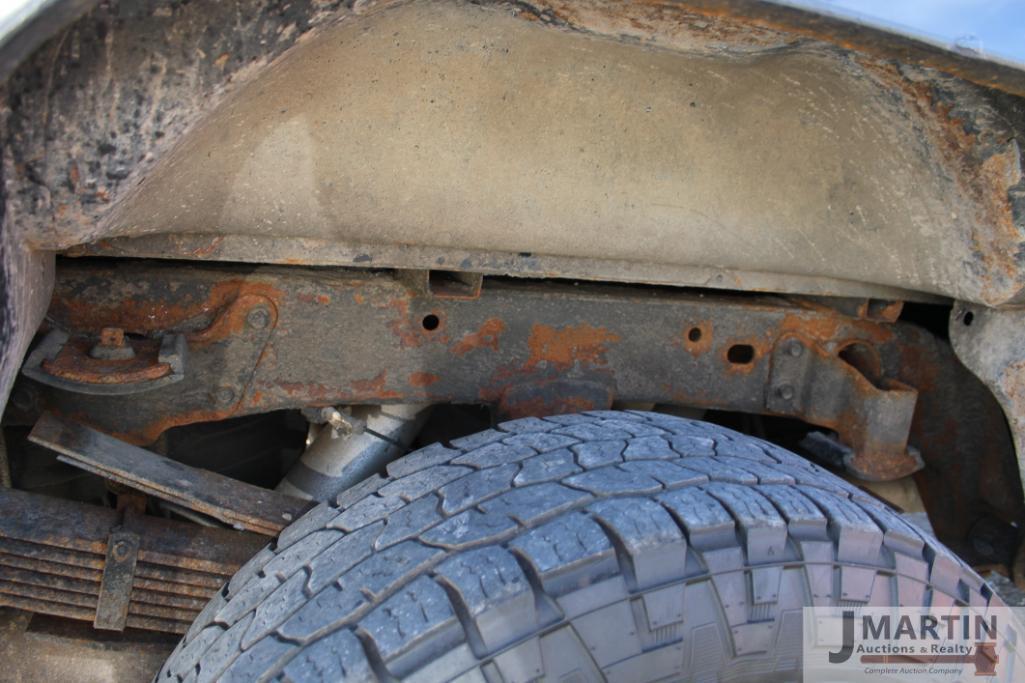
237 503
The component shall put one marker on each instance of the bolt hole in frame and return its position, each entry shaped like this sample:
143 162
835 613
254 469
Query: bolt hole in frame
431 322
740 354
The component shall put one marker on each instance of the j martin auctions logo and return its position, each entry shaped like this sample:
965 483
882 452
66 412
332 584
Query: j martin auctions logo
919 644
929 640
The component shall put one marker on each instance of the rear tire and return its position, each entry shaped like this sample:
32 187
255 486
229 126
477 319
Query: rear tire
604 546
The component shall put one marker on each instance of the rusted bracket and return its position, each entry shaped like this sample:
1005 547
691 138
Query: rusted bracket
75 365
872 418
240 504
116 582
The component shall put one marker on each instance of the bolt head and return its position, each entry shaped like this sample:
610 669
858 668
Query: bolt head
120 550
224 395
785 392
794 348
112 337
258 318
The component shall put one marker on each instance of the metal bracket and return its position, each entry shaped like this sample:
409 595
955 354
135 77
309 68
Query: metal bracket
67 364
116 584
443 284
872 418
988 342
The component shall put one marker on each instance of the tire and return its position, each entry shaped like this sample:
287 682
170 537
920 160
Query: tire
603 546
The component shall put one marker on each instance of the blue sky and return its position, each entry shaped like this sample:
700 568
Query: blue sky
995 26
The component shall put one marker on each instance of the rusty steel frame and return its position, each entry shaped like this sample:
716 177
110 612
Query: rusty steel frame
303 337
274 338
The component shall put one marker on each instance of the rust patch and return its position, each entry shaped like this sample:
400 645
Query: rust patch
986 169
422 379
364 389
400 326
311 391
209 249
485 337
829 328
411 330
564 347
888 311
374 385
308 298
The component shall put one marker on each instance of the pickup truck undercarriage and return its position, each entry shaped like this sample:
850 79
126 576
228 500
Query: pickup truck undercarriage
255 253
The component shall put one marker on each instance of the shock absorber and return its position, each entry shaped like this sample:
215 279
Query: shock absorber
347 447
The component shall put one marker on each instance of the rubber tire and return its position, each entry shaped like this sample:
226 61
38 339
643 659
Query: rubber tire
603 546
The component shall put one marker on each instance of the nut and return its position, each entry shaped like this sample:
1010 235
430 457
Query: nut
785 392
120 551
794 348
112 337
112 345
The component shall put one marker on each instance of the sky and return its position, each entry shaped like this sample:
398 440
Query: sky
994 27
